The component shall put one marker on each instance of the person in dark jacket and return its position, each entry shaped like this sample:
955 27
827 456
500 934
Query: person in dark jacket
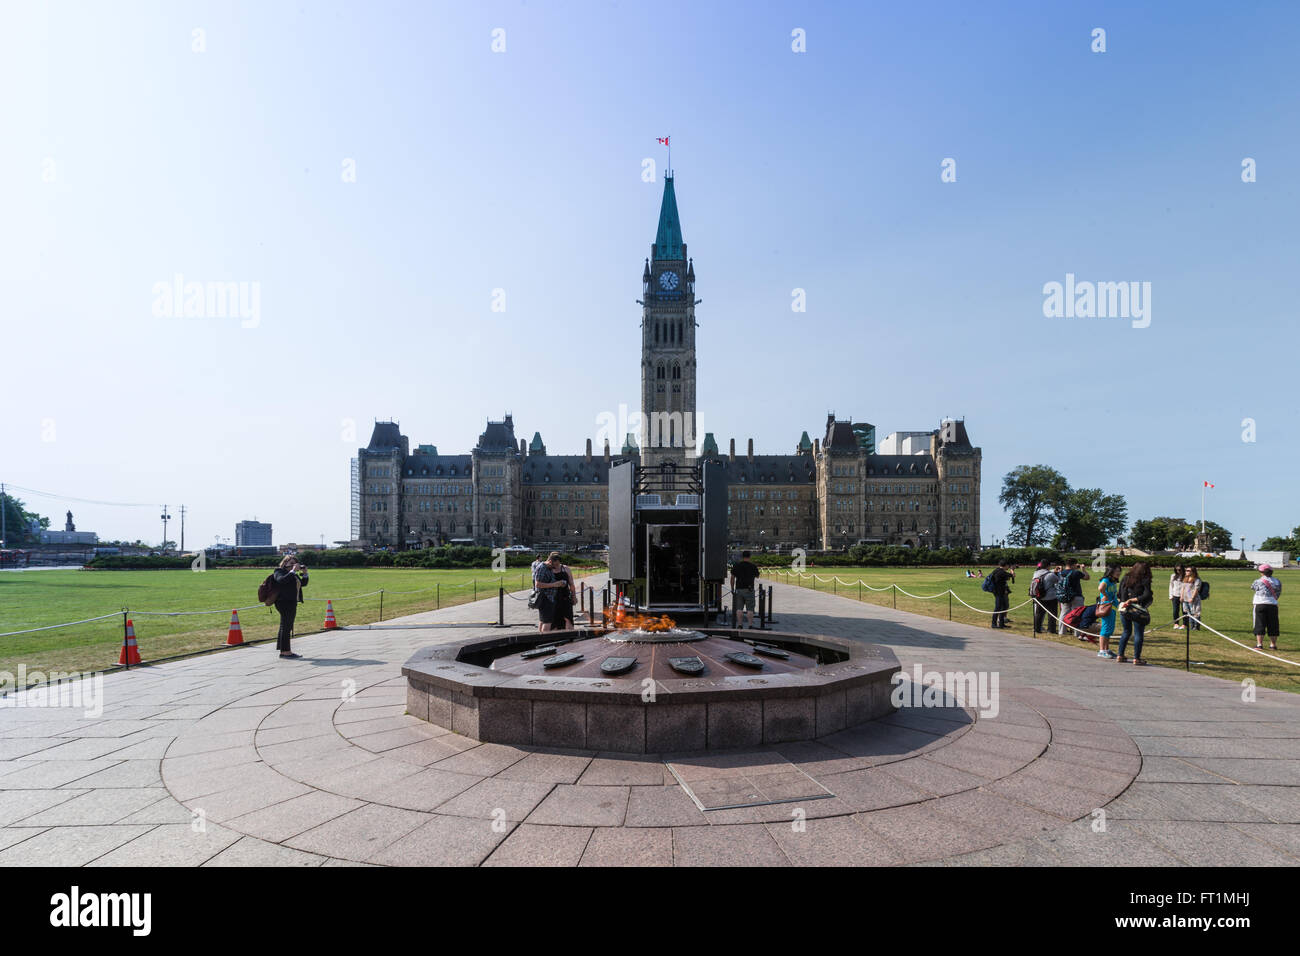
290 579
1134 591
1002 581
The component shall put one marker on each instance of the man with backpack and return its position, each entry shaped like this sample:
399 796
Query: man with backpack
1042 588
1069 591
999 583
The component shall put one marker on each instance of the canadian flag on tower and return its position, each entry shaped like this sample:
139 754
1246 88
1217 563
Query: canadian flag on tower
664 140
1208 485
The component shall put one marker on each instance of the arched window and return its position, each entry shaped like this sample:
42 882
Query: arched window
656 333
659 370
677 371
679 331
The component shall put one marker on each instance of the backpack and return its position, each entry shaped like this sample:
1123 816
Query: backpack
988 584
1073 616
1063 585
1205 589
267 591
1037 589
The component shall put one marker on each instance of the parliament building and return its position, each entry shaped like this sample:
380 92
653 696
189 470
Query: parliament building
917 489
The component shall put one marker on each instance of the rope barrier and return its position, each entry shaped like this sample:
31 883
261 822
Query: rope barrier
50 627
1056 619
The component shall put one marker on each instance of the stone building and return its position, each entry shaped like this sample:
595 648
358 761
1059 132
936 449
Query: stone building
921 490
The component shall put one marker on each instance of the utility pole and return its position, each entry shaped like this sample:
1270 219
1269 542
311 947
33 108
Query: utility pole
182 529
165 518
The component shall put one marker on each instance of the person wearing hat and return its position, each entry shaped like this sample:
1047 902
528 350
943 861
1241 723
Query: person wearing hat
1267 590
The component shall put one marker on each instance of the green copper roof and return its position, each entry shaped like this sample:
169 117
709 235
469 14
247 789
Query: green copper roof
668 241
536 443
710 446
629 444
805 442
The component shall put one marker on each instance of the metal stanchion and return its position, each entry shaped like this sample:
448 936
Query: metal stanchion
770 619
438 596
893 594
501 607
381 604
762 608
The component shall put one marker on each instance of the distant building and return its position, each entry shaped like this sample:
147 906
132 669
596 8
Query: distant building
69 534
905 443
252 534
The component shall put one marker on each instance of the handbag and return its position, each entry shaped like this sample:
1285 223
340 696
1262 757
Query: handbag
532 600
1138 614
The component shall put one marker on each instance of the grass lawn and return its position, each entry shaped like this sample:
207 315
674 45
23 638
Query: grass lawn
36 598
1228 609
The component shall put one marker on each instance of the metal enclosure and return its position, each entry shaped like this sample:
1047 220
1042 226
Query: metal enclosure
667 536
713 537
622 480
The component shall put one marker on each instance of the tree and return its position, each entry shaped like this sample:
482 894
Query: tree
1178 534
1089 518
1278 544
1031 494
17 521
1147 536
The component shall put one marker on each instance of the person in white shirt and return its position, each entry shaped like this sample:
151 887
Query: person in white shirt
1267 590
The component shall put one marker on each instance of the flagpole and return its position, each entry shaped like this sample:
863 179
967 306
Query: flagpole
1202 506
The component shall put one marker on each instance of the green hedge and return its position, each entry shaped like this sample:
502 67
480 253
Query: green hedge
456 556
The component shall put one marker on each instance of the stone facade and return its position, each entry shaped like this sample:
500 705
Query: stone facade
832 492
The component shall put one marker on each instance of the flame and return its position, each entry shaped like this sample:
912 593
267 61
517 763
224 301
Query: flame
643 622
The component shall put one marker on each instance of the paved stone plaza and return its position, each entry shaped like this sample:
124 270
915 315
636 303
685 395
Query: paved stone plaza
286 771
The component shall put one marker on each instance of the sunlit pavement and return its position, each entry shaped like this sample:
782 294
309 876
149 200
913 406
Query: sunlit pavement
240 758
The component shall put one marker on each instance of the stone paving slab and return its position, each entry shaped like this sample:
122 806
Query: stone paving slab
315 762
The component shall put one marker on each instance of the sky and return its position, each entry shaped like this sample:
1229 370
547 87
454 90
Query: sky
372 174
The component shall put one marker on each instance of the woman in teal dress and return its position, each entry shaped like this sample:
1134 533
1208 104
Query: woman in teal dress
1107 599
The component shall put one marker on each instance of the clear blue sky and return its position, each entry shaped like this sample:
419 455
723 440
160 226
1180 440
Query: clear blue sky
522 171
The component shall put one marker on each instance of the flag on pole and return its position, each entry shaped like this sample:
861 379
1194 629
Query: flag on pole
664 139
1208 485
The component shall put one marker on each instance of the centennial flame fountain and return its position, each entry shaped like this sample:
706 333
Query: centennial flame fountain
641 690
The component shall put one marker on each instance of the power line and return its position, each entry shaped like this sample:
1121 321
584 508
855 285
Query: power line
84 501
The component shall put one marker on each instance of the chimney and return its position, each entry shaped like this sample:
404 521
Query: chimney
817 447
523 448
588 449
751 449
607 451
731 456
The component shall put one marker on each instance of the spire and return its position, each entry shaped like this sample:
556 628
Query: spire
668 241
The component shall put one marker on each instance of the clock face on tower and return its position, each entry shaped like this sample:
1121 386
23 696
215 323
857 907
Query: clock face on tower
668 280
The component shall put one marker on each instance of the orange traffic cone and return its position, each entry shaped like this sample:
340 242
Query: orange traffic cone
236 635
618 611
330 623
130 652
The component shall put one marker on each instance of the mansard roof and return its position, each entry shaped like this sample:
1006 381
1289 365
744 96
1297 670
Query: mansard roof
385 436
423 465
770 470
894 466
498 436
564 470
